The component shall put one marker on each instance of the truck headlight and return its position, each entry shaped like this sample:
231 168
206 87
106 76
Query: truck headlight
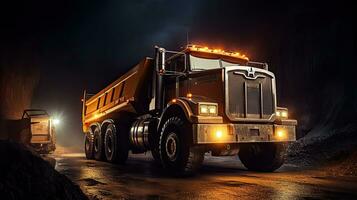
208 109
56 121
282 113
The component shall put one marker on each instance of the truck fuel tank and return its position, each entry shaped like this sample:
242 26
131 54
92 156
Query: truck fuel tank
141 133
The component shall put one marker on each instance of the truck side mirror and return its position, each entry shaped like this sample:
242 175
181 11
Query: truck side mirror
160 59
161 62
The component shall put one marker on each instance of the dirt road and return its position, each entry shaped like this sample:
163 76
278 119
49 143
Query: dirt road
219 178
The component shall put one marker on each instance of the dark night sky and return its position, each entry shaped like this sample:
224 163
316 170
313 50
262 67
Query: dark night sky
87 44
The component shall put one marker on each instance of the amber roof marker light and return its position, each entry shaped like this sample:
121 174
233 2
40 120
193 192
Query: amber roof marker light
200 48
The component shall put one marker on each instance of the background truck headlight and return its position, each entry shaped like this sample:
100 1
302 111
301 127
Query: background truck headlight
208 109
56 121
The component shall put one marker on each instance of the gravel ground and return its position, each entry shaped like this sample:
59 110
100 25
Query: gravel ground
24 174
335 153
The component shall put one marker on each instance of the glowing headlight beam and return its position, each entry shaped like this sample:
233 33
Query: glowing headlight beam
212 109
208 109
284 114
56 121
281 113
204 109
278 113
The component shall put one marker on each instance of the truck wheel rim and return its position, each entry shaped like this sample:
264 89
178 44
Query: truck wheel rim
171 146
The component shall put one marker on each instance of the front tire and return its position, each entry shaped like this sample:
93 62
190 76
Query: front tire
177 154
116 147
263 157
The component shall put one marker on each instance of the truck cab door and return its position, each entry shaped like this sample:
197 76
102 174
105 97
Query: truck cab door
175 85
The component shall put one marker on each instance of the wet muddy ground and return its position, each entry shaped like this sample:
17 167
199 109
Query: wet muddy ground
219 178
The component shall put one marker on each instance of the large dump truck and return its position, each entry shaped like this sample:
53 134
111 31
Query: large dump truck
180 105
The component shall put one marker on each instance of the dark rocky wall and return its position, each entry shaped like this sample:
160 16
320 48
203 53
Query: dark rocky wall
19 76
313 54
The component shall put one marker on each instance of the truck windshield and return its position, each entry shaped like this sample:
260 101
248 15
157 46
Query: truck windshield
198 63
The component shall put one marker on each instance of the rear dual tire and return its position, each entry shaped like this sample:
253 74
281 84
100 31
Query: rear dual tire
88 146
115 144
98 144
112 145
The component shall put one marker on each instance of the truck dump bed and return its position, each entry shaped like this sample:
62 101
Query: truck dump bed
131 92
40 125
40 129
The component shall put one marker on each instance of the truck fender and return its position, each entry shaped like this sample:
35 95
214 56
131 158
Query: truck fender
92 126
104 125
179 105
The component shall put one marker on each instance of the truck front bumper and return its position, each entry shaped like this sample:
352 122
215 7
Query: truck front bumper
244 133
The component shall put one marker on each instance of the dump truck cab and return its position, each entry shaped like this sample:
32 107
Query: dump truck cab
183 104
43 136
224 89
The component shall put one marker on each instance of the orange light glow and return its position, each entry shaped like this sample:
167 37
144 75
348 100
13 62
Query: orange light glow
189 95
96 115
217 51
219 134
173 100
280 134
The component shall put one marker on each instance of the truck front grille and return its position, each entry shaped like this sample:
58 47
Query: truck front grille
250 93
